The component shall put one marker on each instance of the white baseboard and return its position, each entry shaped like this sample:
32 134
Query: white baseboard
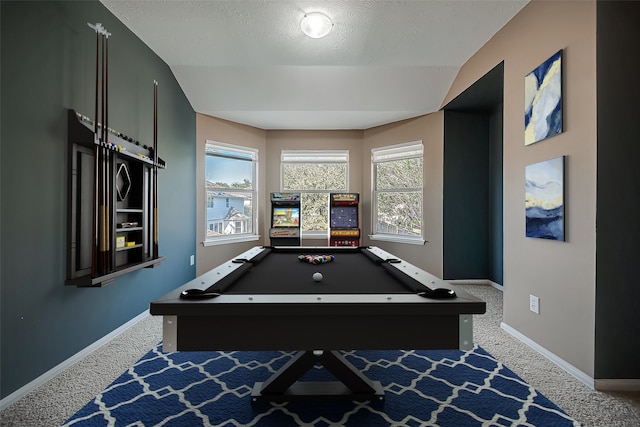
617 384
569 368
51 373
476 282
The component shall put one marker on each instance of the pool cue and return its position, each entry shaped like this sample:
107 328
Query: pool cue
100 251
101 237
155 170
102 262
96 166
108 170
101 256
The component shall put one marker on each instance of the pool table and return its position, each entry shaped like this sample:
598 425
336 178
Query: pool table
267 299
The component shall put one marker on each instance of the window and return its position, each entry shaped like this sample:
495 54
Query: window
314 174
231 190
397 192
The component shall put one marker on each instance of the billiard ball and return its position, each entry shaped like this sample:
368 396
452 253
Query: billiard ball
317 277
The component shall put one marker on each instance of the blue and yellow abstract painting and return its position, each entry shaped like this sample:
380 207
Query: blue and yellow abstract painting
544 199
543 101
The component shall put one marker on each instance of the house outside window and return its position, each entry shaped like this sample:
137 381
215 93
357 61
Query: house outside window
314 174
397 198
231 192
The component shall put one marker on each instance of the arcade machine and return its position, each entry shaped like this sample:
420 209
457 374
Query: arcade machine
343 219
285 219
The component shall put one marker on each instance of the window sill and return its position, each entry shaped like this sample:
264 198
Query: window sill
228 240
315 234
398 239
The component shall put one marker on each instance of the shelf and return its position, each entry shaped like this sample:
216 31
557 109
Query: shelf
128 248
128 229
88 281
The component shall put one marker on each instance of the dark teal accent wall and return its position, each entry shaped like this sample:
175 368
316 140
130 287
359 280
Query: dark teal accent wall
496 196
473 181
48 55
466 196
617 314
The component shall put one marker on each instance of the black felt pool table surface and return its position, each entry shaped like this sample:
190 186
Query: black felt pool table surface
351 272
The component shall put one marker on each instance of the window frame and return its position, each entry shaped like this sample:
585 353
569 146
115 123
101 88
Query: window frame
387 153
244 153
318 157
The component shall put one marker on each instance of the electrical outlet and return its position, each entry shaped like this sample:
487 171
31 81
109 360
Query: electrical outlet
534 304
192 260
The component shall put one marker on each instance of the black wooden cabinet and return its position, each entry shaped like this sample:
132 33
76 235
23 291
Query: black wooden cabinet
112 214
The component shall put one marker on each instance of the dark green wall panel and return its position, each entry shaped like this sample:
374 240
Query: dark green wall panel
466 196
48 54
618 224
496 196
473 181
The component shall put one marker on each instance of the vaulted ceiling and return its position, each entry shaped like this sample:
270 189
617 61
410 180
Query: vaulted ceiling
248 61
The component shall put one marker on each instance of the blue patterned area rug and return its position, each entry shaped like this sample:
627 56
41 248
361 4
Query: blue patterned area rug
422 388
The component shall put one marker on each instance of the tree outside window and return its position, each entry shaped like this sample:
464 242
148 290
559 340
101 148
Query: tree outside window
314 174
397 191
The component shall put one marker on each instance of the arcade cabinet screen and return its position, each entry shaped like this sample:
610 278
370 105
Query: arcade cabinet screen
286 217
344 217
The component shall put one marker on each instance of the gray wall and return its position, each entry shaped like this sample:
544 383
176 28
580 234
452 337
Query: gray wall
618 222
48 55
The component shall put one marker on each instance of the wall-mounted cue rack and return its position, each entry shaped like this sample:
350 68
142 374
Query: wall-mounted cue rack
112 191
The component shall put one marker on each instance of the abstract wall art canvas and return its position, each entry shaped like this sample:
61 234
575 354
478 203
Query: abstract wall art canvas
543 100
544 199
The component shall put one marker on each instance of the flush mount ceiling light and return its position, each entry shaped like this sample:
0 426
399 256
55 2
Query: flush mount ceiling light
316 25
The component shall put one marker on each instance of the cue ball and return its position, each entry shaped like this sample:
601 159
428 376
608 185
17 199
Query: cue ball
317 277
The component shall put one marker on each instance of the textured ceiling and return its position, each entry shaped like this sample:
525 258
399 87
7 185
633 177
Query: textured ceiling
249 62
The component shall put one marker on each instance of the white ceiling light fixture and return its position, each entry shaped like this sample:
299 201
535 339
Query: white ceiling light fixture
316 25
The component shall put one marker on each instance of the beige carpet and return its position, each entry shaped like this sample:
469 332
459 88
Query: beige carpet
60 398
